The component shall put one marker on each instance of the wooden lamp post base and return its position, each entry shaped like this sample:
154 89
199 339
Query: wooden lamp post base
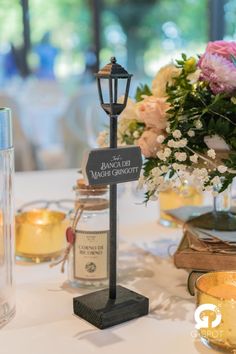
103 312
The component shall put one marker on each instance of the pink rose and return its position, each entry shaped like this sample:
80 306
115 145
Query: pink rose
222 48
152 111
148 143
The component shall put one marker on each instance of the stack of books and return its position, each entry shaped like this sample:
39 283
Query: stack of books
201 250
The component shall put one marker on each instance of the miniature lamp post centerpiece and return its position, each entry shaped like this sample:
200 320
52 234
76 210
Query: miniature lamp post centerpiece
108 307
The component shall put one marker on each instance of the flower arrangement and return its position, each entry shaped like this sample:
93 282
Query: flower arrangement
186 122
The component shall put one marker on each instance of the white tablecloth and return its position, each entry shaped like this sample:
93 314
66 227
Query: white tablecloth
44 323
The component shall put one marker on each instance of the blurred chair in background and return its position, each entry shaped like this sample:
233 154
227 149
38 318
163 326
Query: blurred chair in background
43 103
50 158
24 157
81 124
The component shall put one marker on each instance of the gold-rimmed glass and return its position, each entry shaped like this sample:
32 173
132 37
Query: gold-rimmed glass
218 289
40 235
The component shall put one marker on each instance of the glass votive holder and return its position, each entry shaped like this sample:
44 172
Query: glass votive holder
40 235
216 307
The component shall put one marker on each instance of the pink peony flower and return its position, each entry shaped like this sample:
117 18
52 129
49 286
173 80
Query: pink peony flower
152 111
219 72
148 143
222 48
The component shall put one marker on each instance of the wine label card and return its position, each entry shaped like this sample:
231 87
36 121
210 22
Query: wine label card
91 255
112 166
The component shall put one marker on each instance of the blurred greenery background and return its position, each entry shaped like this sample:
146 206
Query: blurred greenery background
50 49
141 33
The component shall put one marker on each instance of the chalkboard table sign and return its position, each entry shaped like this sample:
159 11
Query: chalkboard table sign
107 166
110 166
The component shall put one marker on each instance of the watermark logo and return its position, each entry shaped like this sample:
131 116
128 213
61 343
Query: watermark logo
204 321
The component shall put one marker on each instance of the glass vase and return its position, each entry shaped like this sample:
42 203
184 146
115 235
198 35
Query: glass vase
222 217
186 195
7 228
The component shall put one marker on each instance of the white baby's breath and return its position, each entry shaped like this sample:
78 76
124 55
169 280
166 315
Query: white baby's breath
222 168
161 155
136 134
194 158
183 142
179 167
211 153
168 128
177 134
177 144
181 156
198 124
191 133
167 152
164 169
160 139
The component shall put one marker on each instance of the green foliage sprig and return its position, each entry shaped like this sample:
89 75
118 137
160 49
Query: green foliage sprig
142 90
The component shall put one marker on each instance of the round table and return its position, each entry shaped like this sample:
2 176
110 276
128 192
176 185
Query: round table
44 321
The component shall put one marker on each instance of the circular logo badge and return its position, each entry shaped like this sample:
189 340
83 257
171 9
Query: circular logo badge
90 267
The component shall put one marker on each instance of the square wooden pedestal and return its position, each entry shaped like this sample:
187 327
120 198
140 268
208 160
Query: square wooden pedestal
103 312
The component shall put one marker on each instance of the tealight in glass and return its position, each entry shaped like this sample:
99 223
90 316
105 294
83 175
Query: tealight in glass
216 294
40 235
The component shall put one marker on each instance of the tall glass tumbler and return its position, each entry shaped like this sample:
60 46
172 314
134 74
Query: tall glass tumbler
7 228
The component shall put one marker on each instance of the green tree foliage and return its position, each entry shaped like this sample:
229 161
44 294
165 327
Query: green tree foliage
144 23
69 21
10 22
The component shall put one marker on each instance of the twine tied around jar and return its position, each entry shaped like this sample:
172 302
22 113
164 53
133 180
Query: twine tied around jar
70 237
88 202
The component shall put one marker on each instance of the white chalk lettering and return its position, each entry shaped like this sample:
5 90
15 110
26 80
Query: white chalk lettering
102 174
114 164
125 171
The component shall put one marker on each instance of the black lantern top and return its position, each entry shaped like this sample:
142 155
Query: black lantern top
113 69
113 72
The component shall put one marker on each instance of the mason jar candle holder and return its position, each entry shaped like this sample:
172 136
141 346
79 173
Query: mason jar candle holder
40 235
216 303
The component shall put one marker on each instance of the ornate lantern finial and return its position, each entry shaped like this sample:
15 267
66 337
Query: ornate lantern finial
113 60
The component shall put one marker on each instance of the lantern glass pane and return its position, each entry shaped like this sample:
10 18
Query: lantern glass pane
120 90
105 90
